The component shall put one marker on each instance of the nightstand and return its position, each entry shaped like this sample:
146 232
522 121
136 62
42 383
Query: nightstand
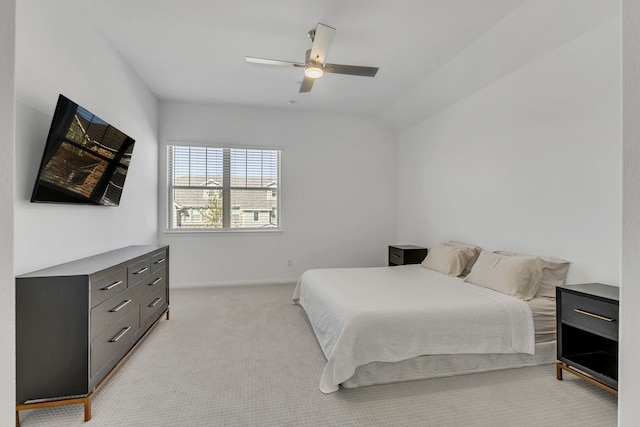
406 254
587 322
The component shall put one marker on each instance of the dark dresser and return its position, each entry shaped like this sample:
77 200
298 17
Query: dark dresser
588 322
76 322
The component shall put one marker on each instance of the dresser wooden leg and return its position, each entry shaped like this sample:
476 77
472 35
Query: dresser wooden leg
87 409
17 418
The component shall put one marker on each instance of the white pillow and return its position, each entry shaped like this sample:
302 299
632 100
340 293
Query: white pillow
449 260
472 260
514 275
554 272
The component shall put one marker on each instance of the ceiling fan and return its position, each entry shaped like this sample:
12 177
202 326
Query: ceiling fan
314 64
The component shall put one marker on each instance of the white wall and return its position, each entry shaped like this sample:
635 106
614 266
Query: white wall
629 365
337 194
529 163
7 142
58 51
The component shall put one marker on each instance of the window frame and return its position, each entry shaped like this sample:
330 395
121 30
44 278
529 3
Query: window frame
211 230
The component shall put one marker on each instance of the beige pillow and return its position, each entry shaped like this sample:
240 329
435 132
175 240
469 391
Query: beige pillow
449 260
554 273
518 276
472 260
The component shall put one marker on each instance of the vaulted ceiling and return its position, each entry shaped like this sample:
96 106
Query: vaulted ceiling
193 50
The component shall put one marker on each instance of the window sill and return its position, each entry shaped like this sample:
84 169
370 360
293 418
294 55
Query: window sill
227 232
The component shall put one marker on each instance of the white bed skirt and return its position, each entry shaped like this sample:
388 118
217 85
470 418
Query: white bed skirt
437 366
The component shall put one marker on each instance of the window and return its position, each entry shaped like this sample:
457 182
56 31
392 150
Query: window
220 188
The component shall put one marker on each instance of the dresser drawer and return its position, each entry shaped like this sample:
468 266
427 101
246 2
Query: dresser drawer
112 310
158 260
105 287
153 302
109 346
589 313
156 280
138 270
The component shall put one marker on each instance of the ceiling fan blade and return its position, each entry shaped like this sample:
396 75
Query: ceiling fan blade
272 61
354 70
307 84
321 41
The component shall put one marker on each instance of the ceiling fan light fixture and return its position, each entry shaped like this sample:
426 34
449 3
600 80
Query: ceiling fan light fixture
313 71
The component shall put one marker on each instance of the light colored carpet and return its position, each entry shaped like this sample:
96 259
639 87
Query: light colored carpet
246 356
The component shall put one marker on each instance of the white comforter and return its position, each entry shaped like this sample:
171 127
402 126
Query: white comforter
389 314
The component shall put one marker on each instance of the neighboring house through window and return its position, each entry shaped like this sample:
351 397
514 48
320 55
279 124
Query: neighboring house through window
220 188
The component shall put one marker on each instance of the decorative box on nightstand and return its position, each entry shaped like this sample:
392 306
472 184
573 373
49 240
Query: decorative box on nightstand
587 321
406 254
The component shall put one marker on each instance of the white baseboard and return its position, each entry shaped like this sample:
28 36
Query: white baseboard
232 283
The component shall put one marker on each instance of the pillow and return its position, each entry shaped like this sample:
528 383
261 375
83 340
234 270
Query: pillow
514 275
476 253
554 272
449 260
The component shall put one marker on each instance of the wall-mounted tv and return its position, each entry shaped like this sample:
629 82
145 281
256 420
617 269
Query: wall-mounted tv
85 159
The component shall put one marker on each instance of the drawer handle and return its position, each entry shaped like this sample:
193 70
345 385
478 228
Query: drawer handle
120 306
160 261
155 282
597 316
120 334
142 270
155 302
111 286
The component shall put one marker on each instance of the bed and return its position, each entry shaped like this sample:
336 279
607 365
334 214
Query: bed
389 324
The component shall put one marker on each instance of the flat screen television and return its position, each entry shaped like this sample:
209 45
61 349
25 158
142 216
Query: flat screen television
85 160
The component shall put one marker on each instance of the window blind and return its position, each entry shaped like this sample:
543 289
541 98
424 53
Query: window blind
223 188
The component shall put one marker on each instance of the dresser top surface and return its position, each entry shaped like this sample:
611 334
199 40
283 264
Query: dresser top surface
95 263
595 289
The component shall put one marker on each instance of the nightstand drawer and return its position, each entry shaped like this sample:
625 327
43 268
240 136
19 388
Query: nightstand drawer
396 258
588 313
